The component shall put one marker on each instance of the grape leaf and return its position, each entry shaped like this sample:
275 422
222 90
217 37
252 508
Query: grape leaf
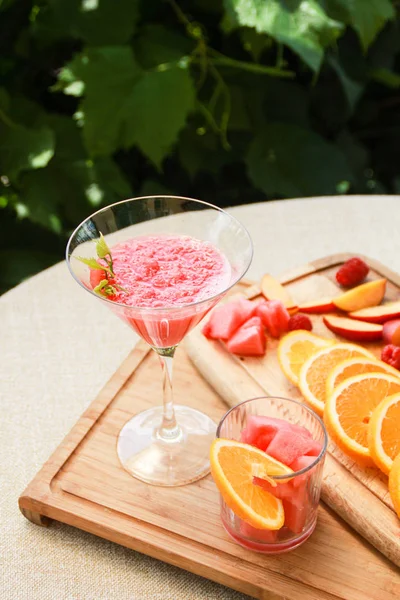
103 106
287 160
23 148
163 99
98 22
303 26
351 88
156 45
368 19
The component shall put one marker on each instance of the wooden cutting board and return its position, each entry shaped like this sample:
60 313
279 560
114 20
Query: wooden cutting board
359 495
83 485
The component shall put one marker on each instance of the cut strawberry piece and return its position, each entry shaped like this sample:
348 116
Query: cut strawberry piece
295 516
226 319
248 341
286 446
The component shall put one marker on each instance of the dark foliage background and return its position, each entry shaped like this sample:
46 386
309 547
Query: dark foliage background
230 101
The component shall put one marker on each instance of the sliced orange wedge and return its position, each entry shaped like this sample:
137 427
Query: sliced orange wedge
384 433
314 372
355 366
295 348
233 466
394 484
349 408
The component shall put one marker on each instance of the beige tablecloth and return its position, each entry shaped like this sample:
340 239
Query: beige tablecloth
58 348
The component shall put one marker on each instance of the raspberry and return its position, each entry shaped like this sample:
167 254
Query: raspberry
352 272
391 355
300 322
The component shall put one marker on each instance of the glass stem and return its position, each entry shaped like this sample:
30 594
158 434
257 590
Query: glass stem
169 429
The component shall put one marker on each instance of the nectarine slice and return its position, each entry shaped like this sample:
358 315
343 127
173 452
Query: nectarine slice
323 305
378 314
352 329
271 289
362 296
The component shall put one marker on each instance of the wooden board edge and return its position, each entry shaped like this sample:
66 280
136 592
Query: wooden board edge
39 487
169 547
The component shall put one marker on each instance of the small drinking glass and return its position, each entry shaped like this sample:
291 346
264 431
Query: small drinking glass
299 491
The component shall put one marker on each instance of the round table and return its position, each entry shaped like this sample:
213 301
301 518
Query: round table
59 348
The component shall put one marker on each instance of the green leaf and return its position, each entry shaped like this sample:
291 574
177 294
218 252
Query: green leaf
104 288
22 148
254 43
92 263
386 77
157 45
286 101
105 108
41 194
101 247
163 99
286 160
98 22
351 88
303 26
368 18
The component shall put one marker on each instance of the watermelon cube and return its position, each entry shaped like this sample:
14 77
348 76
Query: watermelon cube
302 462
261 428
281 490
253 321
287 445
274 316
281 316
265 313
295 516
259 535
227 318
248 341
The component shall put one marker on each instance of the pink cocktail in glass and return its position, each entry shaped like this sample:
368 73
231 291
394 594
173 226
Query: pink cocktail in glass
160 263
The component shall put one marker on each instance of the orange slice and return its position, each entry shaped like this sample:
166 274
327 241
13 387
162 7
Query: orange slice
384 433
356 366
313 374
394 484
349 408
233 466
295 348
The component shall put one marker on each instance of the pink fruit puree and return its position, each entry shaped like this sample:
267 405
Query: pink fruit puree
167 272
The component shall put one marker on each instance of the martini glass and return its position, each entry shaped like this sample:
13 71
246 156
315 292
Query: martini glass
165 445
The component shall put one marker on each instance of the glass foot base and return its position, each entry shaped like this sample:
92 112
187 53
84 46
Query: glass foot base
178 461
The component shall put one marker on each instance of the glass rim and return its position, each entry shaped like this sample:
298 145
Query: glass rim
318 458
147 309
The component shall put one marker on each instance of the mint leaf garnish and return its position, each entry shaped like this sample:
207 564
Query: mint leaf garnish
102 248
93 264
104 288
